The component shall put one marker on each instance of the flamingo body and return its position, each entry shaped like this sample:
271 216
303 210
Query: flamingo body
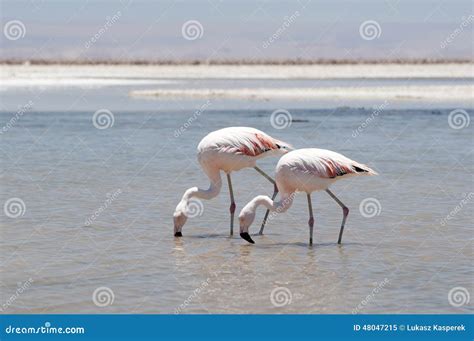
234 148
309 170
304 170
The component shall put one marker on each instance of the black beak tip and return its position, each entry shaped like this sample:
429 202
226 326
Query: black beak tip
178 234
247 237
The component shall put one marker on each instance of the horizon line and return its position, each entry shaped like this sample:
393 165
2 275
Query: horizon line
243 61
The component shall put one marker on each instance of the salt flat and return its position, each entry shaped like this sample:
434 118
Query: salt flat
422 93
34 73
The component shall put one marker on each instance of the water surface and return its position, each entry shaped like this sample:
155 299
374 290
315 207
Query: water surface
406 259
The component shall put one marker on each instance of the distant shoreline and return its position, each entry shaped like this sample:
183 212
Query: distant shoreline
54 74
233 62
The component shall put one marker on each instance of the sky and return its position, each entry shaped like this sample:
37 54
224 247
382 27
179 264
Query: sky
230 30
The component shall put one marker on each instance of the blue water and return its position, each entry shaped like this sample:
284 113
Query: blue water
413 253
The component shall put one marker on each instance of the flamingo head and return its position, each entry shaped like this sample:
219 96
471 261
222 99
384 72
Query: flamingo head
246 218
179 219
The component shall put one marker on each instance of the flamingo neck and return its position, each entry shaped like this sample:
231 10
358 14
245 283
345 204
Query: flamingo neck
274 206
215 185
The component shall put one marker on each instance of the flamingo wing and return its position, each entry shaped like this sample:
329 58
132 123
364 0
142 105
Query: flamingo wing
245 141
256 144
328 164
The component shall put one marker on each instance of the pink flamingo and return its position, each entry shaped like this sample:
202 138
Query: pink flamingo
228 149
304 170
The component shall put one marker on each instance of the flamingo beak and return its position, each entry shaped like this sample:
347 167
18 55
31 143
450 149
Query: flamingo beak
246 236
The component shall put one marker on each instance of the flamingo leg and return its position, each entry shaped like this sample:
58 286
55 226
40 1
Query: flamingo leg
275 192
232 205
345 213
311 219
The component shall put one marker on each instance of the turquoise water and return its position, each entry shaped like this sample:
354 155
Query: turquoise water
98 207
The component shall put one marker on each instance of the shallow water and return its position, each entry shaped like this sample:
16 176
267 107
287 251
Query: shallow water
405 259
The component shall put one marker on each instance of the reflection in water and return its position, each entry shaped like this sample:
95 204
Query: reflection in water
245 251
179 252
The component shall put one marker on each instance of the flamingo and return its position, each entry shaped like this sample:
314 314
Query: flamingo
229 149
305 170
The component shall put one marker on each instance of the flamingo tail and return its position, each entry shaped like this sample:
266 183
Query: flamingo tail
364 169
